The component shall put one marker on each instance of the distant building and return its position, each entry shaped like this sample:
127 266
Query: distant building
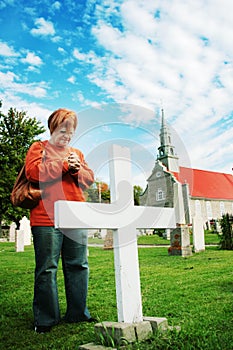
207 193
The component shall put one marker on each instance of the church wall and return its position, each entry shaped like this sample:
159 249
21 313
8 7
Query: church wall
159 191
210 208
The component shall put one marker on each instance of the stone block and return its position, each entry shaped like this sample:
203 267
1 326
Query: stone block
143 330
92 346
157 323
180 241
108 241
119 332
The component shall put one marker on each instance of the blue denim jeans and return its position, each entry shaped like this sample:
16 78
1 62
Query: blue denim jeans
49 245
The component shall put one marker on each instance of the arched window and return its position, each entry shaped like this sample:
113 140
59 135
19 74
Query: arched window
197 207
209 210
160 195
222 208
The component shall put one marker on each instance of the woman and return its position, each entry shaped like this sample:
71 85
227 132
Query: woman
63 174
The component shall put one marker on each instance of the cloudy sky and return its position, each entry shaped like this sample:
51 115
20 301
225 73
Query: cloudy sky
136 55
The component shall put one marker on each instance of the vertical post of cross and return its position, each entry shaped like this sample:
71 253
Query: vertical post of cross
127 276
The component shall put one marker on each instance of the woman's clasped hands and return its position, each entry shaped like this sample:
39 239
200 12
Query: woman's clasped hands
74 162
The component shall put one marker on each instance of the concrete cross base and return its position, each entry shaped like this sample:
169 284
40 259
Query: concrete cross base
120 333
157 323
142 332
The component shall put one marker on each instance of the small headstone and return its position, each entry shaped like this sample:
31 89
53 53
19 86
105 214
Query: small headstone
167 234
180 241
198 234
103 233
108 241
218 228
25 227
12 232
19 242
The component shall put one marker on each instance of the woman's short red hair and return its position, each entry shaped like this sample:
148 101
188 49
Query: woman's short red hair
62 116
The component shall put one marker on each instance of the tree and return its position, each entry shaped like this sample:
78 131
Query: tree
98 192
226 238
137 190
17 133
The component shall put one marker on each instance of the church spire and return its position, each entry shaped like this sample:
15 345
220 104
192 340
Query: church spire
162 119
166 150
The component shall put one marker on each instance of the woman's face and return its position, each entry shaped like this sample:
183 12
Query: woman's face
61 136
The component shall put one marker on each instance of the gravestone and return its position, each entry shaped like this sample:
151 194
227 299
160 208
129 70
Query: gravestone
19 241
108 241
198 234
103 233
167 234
180 241
26 228
218 227
124 219
180 237
12 232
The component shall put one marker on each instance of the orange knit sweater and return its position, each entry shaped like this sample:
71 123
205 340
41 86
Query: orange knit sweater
47 164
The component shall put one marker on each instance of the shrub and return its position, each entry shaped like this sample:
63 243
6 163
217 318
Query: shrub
226 238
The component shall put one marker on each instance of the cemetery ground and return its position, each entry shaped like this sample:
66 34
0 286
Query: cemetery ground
194 293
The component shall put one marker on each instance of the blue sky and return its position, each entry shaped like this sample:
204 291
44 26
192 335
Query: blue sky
116 63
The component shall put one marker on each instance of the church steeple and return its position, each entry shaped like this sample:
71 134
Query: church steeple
166 150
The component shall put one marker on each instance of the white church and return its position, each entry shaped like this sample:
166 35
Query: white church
207 193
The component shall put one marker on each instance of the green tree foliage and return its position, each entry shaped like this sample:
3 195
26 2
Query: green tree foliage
17 133
98 192
226 238
98 189
137 190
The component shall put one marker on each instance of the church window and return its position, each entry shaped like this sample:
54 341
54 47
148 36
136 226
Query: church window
160 195
209 210
222 208
171 150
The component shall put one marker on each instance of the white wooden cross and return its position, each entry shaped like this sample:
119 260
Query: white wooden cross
124 219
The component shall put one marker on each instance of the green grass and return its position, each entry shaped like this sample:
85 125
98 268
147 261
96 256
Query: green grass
194 293
210 238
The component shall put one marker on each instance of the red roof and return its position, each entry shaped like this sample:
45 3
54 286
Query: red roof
207 184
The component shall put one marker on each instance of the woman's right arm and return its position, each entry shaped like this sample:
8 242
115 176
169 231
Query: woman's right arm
39 169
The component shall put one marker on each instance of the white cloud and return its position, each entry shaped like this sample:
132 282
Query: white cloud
44 28
56 5
61 50
7 51
180 58
32 59
10 83
142 52
139 20
71 79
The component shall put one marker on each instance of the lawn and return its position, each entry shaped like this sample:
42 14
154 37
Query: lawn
210 238
194 293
